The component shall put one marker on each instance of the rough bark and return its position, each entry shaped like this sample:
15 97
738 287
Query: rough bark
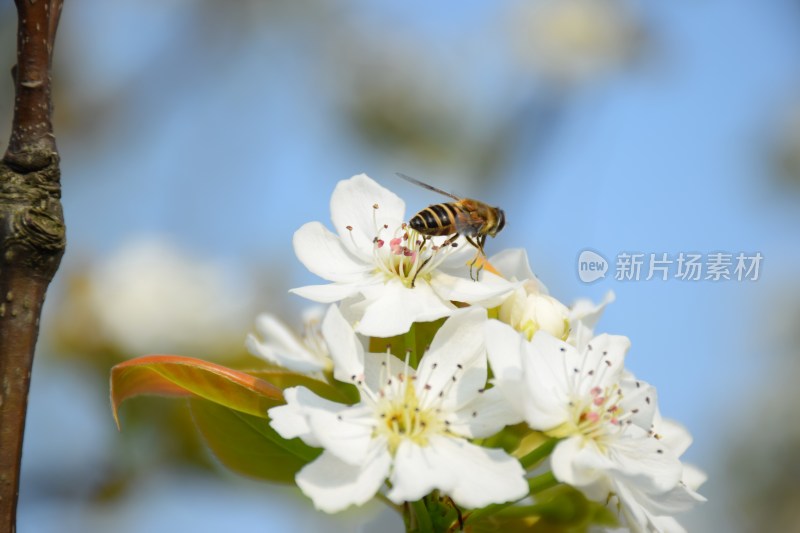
32 236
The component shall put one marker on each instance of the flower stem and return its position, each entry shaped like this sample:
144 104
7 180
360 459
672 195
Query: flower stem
541 483
390 503
486 511
423 519
521 511
410 341
539 453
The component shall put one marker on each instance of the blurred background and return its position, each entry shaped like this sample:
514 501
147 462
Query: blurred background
196 136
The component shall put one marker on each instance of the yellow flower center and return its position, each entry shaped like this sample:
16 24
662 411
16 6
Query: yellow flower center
594 417
403 418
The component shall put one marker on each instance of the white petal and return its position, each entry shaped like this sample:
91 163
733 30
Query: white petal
395 307
513 265
666 524
583 318
322 253
512 310
327 294
641 400
455 365
345 348
676 500
675 436
278 335
379 366
578 462
353 308
416 472
649 511
334 485
281 346
588 312
345 431
488 292
644 462
463 335
504 346
607 353
484 415
504 349
352 205
693 477
346 434
291 420
633 514
473 476
549 368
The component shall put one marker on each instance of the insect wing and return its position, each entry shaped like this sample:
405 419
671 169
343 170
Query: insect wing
426 186
466 221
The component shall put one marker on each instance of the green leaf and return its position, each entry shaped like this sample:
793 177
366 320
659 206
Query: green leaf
510 439
417 341
248 445
563 509
176 376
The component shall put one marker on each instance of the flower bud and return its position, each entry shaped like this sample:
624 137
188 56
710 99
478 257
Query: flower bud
528 312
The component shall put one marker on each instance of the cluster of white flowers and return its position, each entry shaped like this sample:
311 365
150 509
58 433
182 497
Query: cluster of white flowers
417 425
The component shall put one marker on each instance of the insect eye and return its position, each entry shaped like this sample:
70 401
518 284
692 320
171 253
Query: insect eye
501 219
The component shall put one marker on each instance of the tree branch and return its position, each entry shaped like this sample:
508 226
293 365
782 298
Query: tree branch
32 236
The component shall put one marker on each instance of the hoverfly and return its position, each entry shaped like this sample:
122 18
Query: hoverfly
471 218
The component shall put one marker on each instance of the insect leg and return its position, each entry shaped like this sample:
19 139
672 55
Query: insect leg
481 242
414 279
450 240
478 244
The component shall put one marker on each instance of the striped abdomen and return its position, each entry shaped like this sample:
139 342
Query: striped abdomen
435 220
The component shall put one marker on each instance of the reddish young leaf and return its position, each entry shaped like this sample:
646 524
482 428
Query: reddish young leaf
283 379
177 376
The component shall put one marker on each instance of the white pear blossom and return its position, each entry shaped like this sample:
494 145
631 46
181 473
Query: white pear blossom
410 427
150 296
306 353
609 448
387 275
530 308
